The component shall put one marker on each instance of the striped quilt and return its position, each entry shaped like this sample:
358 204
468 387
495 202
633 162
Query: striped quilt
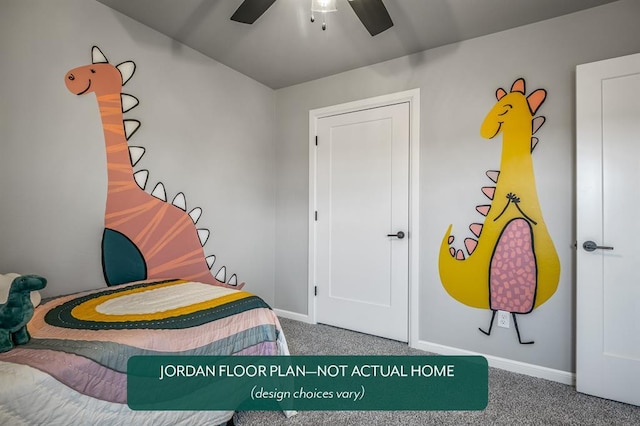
83 341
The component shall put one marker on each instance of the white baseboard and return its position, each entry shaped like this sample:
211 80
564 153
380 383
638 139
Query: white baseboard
519 367
293 315
559 376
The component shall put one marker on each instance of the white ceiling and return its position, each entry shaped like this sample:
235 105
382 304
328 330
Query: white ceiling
283 47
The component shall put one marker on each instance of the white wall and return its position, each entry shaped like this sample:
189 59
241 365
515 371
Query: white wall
208 131
458 84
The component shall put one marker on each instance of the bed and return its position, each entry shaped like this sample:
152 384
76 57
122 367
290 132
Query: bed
74 367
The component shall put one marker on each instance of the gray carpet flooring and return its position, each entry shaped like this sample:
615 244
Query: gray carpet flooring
514 399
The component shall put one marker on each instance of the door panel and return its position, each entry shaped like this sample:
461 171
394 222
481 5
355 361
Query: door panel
621 179
608 177
362 197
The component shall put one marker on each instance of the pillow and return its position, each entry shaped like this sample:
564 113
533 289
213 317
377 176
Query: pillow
5 284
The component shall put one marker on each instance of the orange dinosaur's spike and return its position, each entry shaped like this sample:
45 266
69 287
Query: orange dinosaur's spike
97 57
452 251
535 99
180 201
459 255
203 236
141 178
476 228
233 280
135 154
195 214
483 210
222 274
500 93
518 86
451 239
128 102
159 192
489 191
493 175
126 70
470 244
130 127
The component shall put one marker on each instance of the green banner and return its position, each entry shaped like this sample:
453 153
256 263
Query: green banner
307 383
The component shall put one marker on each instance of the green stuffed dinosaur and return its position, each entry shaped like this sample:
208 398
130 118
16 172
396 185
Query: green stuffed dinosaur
18 310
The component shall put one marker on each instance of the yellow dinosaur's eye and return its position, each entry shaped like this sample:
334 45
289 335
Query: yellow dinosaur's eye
507 109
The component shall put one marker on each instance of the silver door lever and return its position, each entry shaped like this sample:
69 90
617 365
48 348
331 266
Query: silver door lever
591 246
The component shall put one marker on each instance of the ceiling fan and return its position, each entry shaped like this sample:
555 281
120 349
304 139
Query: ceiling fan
372 13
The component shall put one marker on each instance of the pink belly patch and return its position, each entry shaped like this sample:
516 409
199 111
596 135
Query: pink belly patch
513 271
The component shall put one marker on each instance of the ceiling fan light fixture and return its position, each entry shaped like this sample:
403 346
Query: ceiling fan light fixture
323 6
372 13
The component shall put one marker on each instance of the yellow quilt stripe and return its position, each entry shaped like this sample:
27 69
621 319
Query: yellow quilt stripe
86 311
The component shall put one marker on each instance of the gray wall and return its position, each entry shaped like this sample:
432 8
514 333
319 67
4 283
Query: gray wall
208 131
252 179
457 85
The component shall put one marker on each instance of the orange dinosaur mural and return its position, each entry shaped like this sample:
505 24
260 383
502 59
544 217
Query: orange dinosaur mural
145 237
511 265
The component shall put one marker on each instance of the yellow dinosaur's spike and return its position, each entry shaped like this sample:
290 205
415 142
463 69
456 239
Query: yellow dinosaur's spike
483 209
518 86
536 99
489 191
470 244
493 175
476 229
534 143
536 123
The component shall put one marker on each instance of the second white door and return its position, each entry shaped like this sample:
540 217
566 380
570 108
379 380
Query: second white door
608 278
362 235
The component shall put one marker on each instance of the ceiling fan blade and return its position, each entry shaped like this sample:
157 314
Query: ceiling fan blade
250 10
373 15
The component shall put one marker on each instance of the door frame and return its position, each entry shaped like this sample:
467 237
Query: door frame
412 97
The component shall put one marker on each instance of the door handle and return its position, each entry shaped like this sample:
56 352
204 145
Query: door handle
399 235
591 246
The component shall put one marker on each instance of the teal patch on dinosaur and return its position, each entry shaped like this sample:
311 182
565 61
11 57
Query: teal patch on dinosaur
18 310
122 262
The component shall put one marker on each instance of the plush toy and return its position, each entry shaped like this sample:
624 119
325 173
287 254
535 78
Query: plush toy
18 310
5 284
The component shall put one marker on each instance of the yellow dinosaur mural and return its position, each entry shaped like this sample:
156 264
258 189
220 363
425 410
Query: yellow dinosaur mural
512 266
